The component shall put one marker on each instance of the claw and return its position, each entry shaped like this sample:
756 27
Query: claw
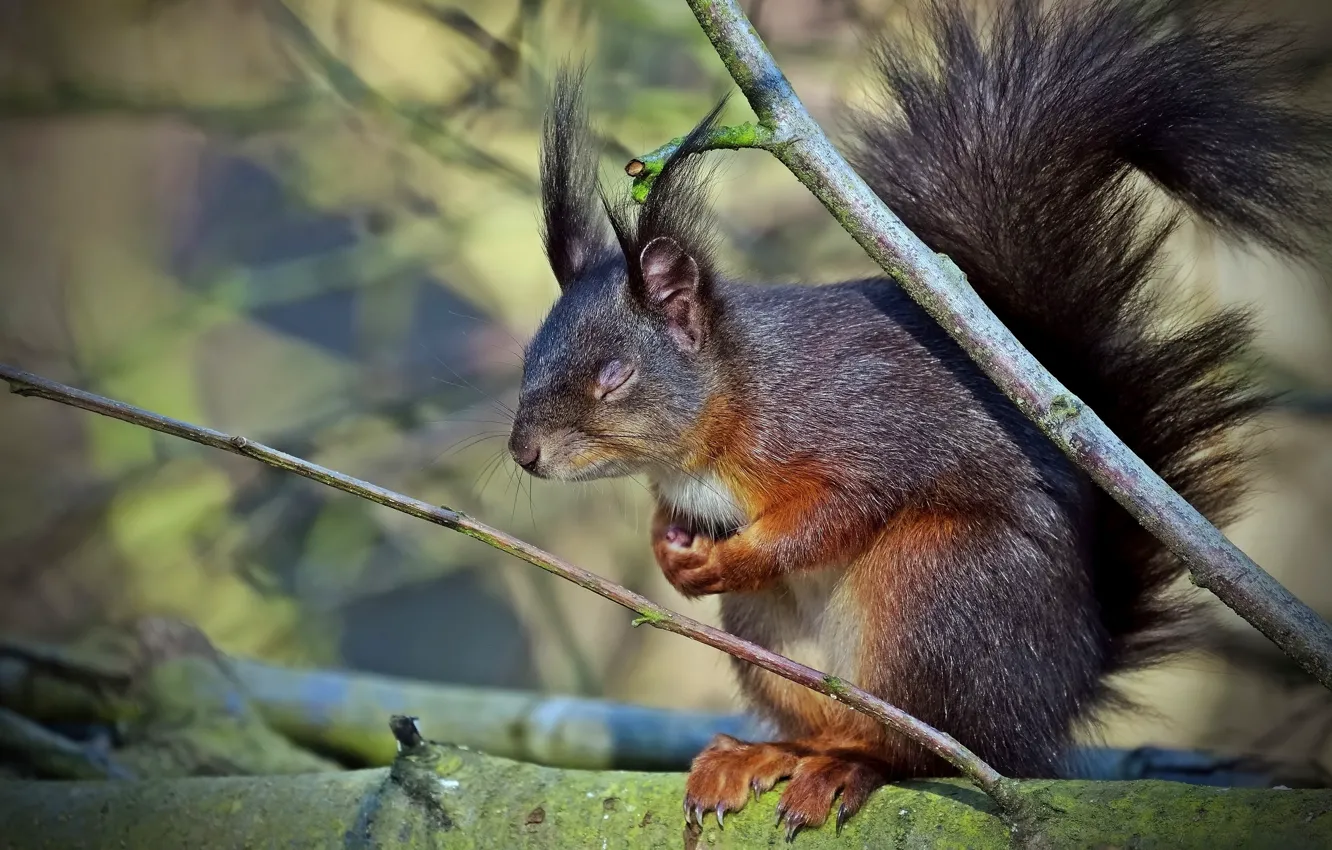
792 827
698 814
686 809
721 809
842 814
781 812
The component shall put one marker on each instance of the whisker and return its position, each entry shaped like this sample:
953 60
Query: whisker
481 470
513 514
465 443
504 408
466 384
496 324
450 419
494 465
531 509
514 473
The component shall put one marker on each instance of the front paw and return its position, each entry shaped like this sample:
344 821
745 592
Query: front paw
688 560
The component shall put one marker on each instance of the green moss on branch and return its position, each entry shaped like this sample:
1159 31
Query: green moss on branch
645 168
446 797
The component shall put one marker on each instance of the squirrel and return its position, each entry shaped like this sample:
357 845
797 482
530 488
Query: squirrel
833 465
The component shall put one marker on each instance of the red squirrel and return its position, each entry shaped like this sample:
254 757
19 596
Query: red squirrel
832 464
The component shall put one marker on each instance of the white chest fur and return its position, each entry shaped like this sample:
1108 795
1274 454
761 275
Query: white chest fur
806 616
702 497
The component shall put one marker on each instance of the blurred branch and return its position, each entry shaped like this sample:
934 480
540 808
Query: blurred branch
405 250
418 125
425 124
179 710
505 54
1251 652
422 124
463 24
343 713
940 287
943 745
95 670
553 617
235 119
48 755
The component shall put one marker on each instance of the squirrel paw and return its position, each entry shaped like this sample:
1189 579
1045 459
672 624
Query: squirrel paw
817 782
728 771
685 558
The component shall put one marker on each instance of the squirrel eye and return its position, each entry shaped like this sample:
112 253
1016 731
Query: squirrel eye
614 375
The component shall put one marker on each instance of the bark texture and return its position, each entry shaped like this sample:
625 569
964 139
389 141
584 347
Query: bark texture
445 797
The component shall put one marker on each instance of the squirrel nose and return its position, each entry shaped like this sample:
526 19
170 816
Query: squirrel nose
526 453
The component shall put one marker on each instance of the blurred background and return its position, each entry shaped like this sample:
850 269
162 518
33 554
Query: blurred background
313 223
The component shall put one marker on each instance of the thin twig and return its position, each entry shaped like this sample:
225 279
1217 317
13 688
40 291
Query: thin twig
943 745
932 280
645 168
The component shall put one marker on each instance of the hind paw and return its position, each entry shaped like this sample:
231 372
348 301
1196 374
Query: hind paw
729 771
819 781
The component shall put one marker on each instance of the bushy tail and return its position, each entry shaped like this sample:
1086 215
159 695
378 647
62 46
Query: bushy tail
1014 153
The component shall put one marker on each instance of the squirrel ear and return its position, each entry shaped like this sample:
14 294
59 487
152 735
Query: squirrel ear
671 281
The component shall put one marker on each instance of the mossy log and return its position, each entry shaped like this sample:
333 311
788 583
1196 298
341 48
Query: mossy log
177 709
341 714
439 796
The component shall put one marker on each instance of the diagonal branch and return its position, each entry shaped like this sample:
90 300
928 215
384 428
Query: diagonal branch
933 281
943 745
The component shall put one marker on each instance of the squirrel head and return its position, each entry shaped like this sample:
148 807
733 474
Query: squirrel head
620 369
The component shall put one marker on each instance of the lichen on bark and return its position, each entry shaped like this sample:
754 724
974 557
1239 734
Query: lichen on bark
439 796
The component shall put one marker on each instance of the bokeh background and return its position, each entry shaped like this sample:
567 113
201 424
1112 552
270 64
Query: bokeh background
313 223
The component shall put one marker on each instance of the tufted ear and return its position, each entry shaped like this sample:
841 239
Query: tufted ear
573 225
667 245
673 287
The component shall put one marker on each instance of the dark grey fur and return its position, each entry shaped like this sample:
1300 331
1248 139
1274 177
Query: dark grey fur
1013 156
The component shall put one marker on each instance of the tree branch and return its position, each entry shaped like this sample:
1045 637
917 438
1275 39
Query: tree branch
188 716
943 745
442 796
645 168
936 283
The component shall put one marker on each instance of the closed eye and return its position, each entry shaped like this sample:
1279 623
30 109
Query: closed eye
615 377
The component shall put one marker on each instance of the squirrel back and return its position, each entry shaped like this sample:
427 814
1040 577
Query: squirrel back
1016 156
